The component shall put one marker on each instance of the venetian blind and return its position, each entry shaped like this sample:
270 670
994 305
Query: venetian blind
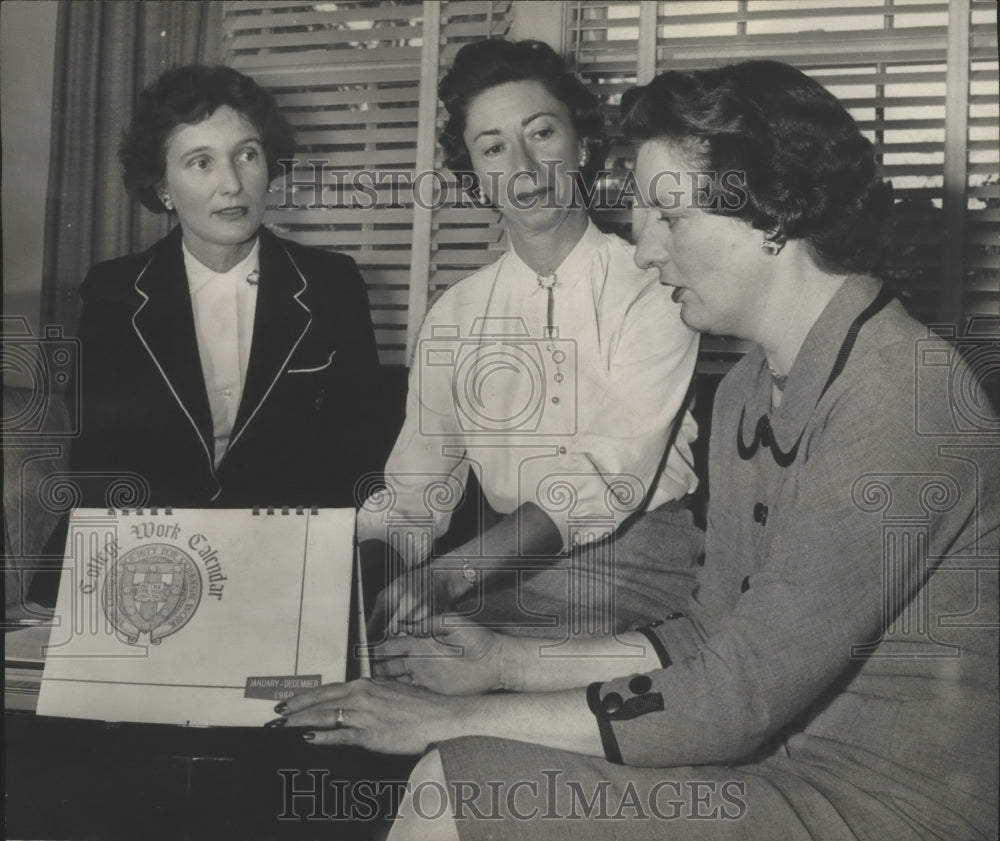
358 80
981 240
890 63
464 237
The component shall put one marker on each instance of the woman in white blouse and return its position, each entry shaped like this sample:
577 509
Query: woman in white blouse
556 374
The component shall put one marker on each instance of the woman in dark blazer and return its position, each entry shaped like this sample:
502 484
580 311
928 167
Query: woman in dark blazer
224 366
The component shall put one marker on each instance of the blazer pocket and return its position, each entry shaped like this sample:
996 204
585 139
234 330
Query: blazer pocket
312 369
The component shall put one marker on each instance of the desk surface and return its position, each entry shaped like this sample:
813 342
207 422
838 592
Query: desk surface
75 779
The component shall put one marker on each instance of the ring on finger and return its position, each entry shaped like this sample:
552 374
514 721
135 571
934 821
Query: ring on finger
340 717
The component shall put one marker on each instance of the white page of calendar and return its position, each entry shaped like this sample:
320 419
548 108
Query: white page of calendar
197 616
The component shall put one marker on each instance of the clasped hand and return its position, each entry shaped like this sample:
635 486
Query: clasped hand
457 658
403 708
409 602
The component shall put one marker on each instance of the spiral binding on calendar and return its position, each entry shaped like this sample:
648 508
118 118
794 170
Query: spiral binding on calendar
256 510
153 511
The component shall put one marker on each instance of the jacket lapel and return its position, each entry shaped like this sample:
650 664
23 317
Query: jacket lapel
280 322
164 323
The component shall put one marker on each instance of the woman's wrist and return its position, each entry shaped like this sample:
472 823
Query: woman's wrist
512 653
449 718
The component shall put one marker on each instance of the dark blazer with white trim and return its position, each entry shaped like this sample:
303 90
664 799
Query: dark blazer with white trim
304 429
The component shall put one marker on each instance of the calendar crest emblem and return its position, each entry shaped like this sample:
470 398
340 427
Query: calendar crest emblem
153 589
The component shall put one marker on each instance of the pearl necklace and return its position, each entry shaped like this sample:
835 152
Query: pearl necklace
779 380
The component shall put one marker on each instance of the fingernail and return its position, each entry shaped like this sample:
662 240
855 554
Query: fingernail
277 722
280 709
308 737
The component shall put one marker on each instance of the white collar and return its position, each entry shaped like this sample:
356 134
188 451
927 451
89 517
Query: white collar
199 275
573 266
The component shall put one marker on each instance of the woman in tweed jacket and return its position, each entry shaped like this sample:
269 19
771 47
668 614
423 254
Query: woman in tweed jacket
834 673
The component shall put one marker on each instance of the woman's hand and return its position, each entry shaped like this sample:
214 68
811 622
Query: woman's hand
409 602
464 659
387 716
379 714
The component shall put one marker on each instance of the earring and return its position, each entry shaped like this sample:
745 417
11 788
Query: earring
167 203
481 196
584 157
773 242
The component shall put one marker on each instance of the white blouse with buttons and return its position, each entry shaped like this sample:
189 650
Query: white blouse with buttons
223 305
574 419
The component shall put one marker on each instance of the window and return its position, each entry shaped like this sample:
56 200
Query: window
900 67
359 82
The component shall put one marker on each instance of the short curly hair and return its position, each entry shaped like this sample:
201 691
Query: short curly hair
186 95
808 170
482 65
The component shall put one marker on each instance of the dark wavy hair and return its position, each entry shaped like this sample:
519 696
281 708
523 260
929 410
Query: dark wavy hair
482 65
186 95
809 172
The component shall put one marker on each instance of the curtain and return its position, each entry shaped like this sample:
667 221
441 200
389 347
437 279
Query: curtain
106 52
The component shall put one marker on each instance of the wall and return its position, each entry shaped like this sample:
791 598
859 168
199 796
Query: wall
27 54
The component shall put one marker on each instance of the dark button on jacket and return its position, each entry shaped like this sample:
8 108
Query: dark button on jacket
640 684
612 703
